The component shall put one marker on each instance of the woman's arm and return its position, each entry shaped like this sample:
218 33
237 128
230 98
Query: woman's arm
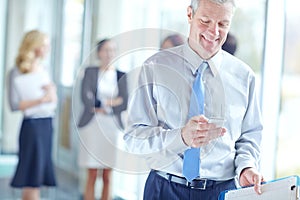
50 96
88 95
114 102
13 98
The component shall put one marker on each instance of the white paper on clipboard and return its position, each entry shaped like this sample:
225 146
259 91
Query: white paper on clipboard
280 189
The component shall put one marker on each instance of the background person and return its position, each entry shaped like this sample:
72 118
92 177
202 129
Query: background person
32 92
162 129
172 41
104 95
230 44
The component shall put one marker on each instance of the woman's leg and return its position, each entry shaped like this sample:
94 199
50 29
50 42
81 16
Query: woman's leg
106 190
89 193
29 193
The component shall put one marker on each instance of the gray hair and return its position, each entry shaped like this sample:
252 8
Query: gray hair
195 3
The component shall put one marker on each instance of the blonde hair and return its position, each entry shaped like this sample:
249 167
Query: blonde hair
31 41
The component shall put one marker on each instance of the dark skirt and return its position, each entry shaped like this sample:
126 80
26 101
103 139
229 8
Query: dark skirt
35 167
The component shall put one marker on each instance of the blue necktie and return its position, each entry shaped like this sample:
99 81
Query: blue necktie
191 160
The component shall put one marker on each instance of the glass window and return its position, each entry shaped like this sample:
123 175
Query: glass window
248 27
70 48
3 10
72 35
288 136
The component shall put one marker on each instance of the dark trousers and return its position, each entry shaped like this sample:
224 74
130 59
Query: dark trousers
159 188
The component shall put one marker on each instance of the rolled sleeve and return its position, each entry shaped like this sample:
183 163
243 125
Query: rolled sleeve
248 145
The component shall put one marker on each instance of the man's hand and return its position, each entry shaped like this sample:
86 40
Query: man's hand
198 132
251 176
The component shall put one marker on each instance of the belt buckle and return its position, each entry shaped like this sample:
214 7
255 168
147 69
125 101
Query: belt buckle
196 184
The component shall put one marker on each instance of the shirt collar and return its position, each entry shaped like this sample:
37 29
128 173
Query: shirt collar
195 60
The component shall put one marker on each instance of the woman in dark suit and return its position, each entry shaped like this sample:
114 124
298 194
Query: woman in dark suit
104 95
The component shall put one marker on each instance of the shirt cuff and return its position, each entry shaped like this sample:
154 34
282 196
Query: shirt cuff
177 145
243 166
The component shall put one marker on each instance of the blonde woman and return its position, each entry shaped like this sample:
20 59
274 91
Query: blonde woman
32 92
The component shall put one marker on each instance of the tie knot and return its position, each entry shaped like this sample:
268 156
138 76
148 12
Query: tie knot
202 67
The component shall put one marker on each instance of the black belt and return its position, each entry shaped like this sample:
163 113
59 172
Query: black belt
200 184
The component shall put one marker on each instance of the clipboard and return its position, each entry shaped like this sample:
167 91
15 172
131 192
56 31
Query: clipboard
286 188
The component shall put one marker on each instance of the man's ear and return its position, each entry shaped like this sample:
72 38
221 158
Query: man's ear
189 13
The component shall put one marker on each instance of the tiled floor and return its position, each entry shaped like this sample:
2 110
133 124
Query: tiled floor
68 184
67 189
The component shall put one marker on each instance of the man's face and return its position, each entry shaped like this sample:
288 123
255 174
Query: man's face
209 27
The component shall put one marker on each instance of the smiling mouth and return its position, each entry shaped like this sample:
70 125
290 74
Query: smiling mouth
209 40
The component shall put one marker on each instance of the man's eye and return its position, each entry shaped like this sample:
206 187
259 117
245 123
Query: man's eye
224 25
204 21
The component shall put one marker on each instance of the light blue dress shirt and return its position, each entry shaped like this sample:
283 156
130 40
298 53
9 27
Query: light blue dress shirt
158 109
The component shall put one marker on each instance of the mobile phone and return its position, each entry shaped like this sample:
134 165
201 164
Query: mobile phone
219 122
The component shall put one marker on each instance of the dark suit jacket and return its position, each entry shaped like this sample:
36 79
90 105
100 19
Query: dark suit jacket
89 91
